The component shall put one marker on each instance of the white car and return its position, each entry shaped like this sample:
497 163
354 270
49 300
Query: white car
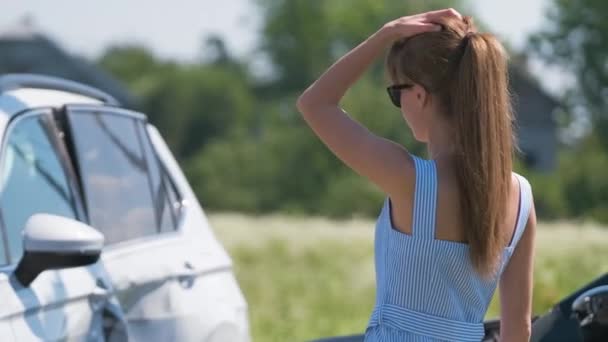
101 236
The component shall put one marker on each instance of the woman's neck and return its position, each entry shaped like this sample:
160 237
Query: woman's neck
441 142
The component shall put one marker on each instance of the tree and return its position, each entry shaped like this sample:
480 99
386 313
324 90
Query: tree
577 40
301 37
128 62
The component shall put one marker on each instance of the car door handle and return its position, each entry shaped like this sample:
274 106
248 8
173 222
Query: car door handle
187 271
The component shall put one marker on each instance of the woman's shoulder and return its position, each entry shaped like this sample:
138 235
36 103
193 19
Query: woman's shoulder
520 181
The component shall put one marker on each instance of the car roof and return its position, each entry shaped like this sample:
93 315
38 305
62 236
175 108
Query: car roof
19 92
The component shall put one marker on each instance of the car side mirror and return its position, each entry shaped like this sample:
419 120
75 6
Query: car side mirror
591 311
54 242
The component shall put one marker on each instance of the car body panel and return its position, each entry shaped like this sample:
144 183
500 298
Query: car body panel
57 306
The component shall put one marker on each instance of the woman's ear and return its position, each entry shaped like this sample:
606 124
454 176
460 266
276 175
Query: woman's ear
422 96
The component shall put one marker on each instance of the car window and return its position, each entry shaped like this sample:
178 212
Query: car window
174 197
114 175
32 179
161 192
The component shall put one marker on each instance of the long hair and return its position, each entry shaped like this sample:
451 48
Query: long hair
467 72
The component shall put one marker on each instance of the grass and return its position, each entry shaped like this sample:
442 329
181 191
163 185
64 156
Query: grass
306 278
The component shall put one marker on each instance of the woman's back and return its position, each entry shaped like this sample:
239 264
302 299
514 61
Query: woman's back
427 287
449 224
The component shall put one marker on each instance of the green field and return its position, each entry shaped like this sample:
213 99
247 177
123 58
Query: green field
306 278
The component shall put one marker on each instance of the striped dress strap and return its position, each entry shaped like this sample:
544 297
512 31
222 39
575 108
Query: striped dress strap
525 205
425 199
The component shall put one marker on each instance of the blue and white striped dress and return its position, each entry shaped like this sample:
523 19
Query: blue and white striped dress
427 289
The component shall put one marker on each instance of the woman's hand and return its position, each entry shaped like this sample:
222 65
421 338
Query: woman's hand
405 27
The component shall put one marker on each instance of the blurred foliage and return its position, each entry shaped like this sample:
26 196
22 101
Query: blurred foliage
245 148
302 36
585 181
576 39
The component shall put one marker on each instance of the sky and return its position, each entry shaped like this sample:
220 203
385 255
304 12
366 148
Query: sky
176 29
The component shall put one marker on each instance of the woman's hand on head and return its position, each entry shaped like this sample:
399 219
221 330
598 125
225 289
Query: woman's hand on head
405 27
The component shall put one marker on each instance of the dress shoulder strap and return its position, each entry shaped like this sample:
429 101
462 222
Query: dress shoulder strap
425 198
525 205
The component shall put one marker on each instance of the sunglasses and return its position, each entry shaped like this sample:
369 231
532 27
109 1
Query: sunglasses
394 92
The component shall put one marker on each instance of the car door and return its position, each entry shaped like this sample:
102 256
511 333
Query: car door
145 256
35 177
172 284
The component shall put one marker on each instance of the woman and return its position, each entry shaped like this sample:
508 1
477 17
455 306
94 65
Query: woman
454 226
